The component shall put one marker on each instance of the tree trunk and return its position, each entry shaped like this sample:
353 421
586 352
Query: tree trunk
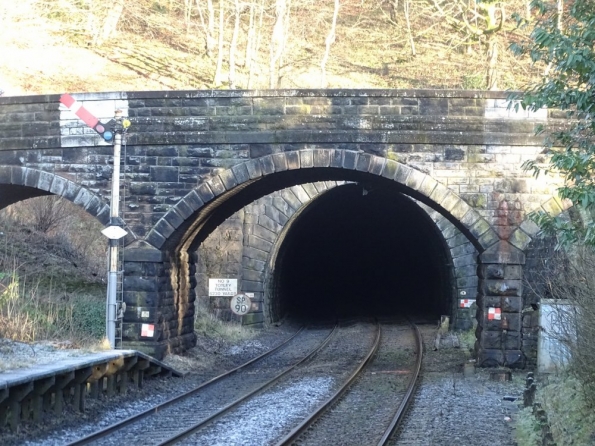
187 14
232 46
217 79
492 56
277 39
110 23
208 26
250 36
406 5
330 39
256 47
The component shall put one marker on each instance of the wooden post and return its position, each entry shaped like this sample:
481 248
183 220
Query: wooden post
15 397
40 390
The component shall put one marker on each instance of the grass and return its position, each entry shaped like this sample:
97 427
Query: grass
28 315
527 430
206 324
50 285
571 419
154 49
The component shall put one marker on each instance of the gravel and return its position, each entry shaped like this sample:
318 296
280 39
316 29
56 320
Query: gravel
449 408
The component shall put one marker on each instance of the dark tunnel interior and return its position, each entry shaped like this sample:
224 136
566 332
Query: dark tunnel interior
354 252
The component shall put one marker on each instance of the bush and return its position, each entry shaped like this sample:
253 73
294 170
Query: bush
26 315
570 414
527 430
568 277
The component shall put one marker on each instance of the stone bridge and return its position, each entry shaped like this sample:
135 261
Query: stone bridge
393 200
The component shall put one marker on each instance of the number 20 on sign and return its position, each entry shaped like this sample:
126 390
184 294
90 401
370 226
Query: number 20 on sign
240 304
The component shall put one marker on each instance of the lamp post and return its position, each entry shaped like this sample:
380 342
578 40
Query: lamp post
114 231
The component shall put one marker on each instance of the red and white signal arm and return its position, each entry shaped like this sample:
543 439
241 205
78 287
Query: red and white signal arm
87 117
240 304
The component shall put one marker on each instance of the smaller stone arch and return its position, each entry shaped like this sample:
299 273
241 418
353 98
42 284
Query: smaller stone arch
24 178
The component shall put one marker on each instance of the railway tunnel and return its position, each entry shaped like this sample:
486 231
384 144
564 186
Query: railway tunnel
357 251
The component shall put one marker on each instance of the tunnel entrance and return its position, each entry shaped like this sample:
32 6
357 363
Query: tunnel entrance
355 252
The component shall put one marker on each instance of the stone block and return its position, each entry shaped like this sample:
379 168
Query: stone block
349 159
502 287
142 298
321 157
253 319
490 357
260 244
253 264
293 160
164 174
491 340
266 165
363 162
503 252
280 162
216 185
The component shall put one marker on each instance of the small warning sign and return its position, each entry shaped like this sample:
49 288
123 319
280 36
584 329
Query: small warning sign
494 314
223 287
466 303
240 304
147 330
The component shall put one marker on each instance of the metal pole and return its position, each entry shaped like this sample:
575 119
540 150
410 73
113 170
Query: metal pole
112 278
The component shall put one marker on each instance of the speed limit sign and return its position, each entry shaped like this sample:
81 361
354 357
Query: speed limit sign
240 304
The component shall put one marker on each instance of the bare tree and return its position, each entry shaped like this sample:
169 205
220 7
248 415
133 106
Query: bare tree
277 43
480 21
233 45
406 8
208 25
48 212
110 24
218 77
567 278
253 41
330 39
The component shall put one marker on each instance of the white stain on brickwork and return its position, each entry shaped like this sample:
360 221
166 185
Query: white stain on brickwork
499 108
75 133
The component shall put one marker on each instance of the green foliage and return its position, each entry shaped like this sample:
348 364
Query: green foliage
570 417
566 48
207 324
527 430
474 81
88 316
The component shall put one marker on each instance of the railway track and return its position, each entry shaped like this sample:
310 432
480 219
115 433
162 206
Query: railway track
369 406
136 427
291 384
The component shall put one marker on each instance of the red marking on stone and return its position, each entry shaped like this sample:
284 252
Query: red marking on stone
67 100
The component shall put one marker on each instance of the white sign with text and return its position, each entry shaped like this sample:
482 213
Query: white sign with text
223 287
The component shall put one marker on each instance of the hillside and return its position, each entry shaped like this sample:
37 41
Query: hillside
58 46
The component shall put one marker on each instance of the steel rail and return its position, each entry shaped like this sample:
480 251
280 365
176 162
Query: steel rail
402 409
191 430
306 423
134 418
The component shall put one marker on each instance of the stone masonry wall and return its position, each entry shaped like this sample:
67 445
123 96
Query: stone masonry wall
459 152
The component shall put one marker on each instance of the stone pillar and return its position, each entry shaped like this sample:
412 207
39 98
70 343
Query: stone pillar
151 303
500 289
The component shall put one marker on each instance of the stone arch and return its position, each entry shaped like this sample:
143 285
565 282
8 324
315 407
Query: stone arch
28 183
206 206
268 220
220 188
